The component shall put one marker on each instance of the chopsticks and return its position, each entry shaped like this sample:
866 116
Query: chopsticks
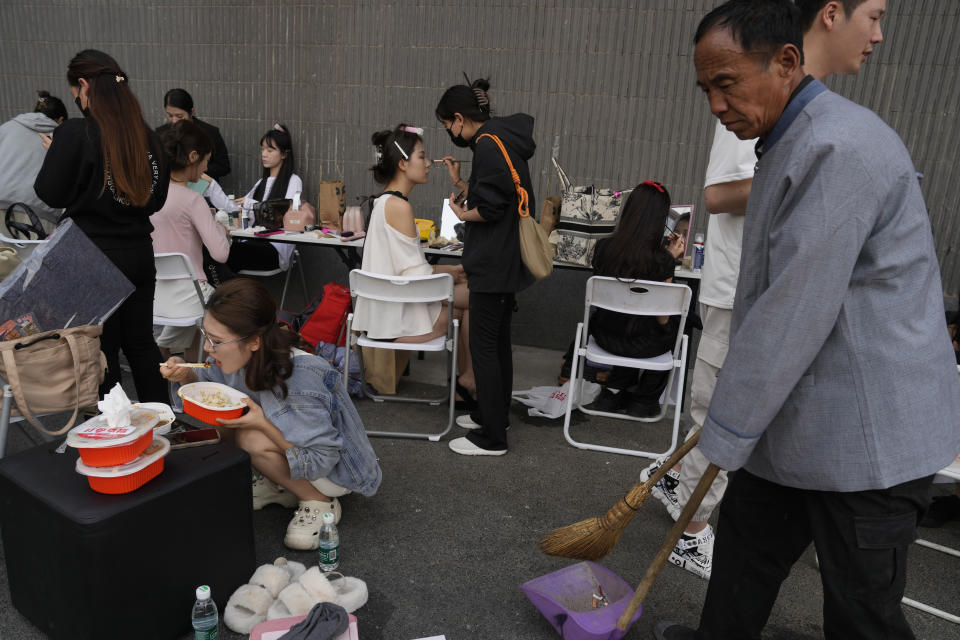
189 365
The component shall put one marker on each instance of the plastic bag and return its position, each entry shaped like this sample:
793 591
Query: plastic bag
551 402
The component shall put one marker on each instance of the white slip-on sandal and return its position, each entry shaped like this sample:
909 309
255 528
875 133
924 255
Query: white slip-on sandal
317 585
247 608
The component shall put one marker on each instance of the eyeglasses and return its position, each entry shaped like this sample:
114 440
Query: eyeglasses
214 345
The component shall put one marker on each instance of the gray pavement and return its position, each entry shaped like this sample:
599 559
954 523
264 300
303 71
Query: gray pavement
447 540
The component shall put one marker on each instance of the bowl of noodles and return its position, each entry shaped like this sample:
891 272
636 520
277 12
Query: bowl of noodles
212 401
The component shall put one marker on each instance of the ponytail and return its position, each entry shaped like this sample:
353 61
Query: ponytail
123 132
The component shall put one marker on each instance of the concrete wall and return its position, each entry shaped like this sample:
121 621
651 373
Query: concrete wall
611 84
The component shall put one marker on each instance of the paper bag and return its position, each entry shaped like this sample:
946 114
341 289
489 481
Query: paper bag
383 368
331 202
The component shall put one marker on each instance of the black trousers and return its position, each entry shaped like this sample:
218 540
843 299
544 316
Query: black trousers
254 255
131 327
490 316
861 540
650 383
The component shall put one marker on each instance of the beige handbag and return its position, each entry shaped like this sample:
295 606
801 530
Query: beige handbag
54 371
535 250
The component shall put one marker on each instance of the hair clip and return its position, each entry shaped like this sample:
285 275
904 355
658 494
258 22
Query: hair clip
378 153
277 127
42 100
415 130
404 153
119 78
655 185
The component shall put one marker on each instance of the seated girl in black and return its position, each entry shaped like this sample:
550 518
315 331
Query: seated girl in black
636 251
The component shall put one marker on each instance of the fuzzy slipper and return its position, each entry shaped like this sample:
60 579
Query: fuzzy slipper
278 610
295 569
247 608
294 600
317 585
271 577
352 593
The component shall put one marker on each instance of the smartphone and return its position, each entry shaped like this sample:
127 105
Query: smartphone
193 438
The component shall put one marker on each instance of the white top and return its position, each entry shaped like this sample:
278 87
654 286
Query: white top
731 160
388 251
293 187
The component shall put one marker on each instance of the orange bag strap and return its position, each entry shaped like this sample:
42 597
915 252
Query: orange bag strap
523 199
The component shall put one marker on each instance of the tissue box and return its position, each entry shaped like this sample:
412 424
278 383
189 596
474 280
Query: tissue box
65 282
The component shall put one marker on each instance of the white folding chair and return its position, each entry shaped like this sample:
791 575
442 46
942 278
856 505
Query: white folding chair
175 270
413 289
266 273
951 472
641 298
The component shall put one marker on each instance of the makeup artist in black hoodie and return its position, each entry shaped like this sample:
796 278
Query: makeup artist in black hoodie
491 252
109 172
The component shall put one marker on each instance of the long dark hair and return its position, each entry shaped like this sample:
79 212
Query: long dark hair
470 101
50 106
178 99
278 138
246 308
180 139
636 247
388 144
123 132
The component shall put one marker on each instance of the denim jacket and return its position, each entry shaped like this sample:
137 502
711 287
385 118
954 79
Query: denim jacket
319 419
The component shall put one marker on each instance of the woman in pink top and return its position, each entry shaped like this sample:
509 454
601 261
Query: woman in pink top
185 225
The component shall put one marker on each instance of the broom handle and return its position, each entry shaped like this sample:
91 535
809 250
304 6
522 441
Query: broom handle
661 558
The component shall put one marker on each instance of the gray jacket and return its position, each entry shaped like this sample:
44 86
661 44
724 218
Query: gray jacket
840 374
319 419
21 156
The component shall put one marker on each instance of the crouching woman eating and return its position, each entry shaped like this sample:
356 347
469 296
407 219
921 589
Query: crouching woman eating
301 430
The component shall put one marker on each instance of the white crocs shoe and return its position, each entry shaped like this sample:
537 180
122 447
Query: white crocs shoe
303 532
266 491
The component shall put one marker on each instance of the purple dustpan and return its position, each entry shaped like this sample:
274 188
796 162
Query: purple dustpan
566 599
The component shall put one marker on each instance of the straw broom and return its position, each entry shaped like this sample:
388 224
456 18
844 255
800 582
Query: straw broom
593 538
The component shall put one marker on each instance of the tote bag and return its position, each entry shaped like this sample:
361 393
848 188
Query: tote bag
54 371
587 214
535 250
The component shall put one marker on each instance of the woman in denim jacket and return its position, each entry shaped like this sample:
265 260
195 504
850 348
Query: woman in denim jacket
303 434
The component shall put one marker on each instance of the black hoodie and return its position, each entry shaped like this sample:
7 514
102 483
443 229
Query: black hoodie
491 252
72 176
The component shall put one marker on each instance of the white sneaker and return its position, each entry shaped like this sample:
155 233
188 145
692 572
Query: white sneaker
466 422
466 448
666 490
303 532
695 553
266 491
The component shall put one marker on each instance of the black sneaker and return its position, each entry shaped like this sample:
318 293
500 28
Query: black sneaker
610 402
666 630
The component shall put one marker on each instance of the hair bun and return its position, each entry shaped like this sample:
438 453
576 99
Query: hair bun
43 93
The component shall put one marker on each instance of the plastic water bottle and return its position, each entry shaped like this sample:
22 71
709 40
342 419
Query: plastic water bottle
206 621
329 554
698 253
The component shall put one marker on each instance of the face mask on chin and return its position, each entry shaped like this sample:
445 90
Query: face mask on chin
458 139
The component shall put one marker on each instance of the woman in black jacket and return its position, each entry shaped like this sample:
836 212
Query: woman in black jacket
109 171
178 105
637 250
491 252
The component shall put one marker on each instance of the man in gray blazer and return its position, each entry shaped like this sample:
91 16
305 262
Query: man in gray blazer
838 399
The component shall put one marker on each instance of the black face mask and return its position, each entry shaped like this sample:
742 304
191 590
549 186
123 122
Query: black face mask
77 100
458 139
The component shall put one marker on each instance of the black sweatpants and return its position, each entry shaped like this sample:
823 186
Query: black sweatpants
131 327
861 540
490 316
